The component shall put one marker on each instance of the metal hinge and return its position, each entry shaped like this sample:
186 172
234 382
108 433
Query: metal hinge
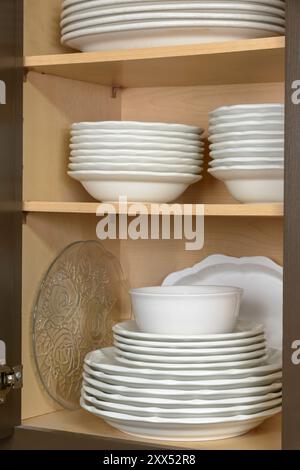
11 378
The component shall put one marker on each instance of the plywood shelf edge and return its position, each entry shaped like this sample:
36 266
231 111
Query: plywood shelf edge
235 210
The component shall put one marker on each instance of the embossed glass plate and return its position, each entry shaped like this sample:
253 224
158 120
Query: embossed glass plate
82 295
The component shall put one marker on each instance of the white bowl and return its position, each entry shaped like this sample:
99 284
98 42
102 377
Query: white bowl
253 184
186 310
136 186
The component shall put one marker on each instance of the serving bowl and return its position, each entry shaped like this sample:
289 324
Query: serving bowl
190 310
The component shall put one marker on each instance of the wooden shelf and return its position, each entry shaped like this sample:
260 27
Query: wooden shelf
244 61
236 210
265 437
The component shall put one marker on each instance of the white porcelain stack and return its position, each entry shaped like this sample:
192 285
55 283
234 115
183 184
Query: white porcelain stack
147 162
247 151
95 25
184 386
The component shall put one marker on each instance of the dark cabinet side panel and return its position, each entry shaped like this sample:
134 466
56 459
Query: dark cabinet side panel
11 76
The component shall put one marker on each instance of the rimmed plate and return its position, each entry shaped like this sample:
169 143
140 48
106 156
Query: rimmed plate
169 403
246 126
224 7
190 359
182 429
250 143
247 152
159 167
247 108
92 175
262 161
133 160
175 352
244 329
233 118
134 410
136 125
173 393
135 133
84 139
140 146
252 171
115 19
105 360
224 137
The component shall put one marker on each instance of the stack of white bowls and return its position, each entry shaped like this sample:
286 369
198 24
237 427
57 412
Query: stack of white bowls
95 25
186 369
148 162
247 151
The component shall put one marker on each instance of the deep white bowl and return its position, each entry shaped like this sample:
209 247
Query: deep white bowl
186 310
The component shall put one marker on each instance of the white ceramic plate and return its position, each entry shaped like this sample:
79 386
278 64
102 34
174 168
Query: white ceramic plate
248 108
190 344
207 383
250 143
264 161
135 133
244 329
155 167
163 154
168 403
197 394
139 176
248 152
135 146
269 125
236 118
70 6
220 7
114 19
84 139
259 277
133 160
182 429
190 359
182 353
105 360
246 136
136 125
166 33
134 410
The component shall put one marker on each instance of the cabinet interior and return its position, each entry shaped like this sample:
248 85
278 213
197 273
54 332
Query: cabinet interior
51 104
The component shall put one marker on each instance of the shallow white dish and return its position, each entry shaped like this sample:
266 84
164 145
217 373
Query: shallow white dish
105 360
197 394
219 162
86 139
189 351
248 143
136 410
227 6
155 167
248 152
166 33
254 184
182 429
136 125
186 310
190 344
190 359
247 108
183 15
118 153
236 118
150 160
135 146
186 385
243 329
243 136
137 186
169 403
259 277
267 125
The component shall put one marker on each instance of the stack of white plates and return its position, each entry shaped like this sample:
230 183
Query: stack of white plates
247 150
149 162
184 387
94 25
